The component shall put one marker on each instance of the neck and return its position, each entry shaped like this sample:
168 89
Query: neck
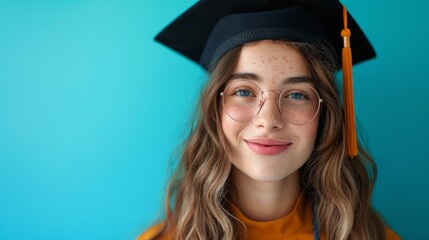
264 200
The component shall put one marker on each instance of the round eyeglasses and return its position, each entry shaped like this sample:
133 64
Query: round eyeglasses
298 103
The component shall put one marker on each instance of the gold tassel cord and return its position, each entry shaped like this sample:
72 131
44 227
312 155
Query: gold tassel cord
351 140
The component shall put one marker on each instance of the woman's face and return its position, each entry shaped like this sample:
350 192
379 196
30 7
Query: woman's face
268 147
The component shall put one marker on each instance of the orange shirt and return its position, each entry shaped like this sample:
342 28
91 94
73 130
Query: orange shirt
297 225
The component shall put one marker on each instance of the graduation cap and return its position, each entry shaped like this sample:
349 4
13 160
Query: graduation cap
210 28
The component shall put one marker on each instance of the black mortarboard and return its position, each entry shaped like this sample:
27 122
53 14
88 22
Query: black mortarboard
210 28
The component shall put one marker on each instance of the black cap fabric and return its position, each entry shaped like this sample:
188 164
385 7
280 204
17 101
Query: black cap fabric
210 28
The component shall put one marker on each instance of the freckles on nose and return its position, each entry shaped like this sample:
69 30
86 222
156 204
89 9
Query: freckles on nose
270 104
269 113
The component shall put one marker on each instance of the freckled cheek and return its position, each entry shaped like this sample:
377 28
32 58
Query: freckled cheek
230 128
312 130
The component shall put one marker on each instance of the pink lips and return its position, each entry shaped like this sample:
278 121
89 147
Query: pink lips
267 146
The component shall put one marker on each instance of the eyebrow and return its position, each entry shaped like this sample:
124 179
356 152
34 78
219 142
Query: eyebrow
257 78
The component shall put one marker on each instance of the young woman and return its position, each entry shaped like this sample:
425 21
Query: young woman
268 155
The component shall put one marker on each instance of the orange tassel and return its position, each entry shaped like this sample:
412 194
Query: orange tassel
351 140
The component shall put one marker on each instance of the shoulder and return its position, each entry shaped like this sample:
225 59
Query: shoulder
151 232
391 235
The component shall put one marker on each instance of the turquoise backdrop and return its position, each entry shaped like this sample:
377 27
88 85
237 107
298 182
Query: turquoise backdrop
91 109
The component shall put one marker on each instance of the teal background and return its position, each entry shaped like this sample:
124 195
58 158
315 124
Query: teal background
91 109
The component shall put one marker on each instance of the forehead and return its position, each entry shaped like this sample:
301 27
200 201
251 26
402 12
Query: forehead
271 59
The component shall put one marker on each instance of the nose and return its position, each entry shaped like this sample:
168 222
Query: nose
269 115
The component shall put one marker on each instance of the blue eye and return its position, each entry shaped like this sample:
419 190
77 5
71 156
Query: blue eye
243 93
297 95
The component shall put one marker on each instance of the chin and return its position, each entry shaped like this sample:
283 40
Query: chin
267 169
269 176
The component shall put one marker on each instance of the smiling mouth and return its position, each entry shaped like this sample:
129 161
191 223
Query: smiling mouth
267 147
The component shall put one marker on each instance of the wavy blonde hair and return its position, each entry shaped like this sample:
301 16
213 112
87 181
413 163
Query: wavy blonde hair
340 188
